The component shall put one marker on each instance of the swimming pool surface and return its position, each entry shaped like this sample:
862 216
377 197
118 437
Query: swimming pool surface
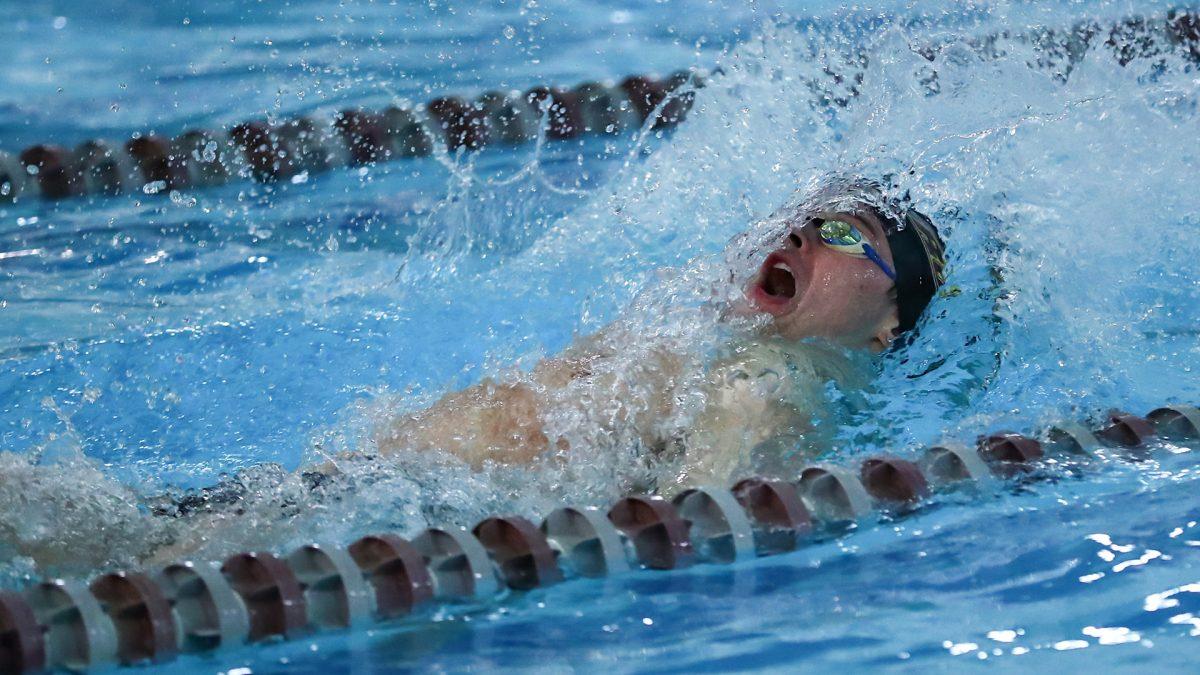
151 343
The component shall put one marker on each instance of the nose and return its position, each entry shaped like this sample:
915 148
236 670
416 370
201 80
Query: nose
808 230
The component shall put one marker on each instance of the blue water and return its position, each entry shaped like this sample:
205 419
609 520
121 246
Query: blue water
150 342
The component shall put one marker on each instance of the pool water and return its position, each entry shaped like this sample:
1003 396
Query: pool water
151 343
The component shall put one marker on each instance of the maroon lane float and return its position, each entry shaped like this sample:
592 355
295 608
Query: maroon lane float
136 617
311 144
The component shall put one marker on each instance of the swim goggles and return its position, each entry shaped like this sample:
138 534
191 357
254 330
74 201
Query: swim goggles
845 238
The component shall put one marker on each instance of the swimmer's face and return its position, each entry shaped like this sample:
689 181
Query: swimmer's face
811 290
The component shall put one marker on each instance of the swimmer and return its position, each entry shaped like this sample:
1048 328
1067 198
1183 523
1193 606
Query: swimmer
844 272
846 267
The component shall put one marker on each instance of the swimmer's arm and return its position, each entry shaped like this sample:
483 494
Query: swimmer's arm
504 421
492 421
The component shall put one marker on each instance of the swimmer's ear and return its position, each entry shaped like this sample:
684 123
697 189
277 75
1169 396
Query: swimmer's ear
887 331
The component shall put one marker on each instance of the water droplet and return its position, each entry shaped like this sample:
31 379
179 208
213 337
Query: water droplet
180 199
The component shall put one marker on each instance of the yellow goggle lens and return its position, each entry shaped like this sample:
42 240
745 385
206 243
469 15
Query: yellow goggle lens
842 237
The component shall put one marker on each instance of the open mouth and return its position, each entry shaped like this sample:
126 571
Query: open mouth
779 282
778 285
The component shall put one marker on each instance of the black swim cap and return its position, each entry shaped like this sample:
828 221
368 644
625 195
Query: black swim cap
919 256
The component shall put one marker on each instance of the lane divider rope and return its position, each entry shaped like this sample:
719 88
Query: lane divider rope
311 144
152 616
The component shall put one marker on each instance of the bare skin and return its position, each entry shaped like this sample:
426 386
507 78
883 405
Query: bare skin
712 415
832 295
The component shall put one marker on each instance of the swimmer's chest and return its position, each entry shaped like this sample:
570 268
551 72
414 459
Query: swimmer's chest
770 373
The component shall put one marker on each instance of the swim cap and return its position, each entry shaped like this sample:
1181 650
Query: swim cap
918 252
919 256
